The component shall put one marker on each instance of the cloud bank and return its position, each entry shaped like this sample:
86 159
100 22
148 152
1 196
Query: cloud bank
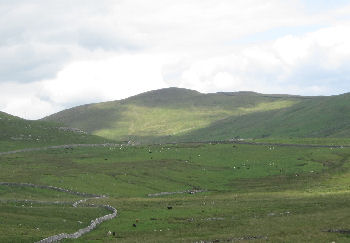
58 54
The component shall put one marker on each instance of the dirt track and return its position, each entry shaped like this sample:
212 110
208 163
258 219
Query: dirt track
68 146
65 146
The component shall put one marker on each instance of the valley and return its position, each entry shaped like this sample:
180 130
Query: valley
249 192
253 170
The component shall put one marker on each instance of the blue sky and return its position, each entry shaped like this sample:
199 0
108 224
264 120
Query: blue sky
85 51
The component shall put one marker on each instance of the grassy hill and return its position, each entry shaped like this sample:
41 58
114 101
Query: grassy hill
174 114
316 117
188 192
167 114
20 133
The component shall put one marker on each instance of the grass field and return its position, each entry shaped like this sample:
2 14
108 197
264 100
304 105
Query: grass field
251 193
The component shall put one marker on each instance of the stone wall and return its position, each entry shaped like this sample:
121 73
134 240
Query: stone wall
51 188
65 146
93 225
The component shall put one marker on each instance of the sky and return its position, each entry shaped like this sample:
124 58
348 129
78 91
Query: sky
58 54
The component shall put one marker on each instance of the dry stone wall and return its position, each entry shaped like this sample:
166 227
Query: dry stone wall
51 188
79 233
66 146
94 223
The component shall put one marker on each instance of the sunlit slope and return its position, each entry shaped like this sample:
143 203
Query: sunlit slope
20 133
167 113
316 117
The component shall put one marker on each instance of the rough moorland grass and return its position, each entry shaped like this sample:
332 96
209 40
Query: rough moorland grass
316 117
30 221
29 193
280 217
137 171
287 194
29 214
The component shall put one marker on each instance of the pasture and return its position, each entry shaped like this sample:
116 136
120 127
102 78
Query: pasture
241 192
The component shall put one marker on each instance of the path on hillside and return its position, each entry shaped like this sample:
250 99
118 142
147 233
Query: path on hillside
94 223
68 146
292 145
271 144
64 146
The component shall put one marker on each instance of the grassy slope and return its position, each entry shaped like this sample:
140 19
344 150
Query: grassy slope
317 117
18 133
249 194
166 112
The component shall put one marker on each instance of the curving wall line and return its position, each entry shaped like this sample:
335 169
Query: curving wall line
94 223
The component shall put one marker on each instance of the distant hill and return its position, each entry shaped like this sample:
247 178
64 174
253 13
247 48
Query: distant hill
168 114
174 114
316 117
17 133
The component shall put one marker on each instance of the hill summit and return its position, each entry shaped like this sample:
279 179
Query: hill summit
176 114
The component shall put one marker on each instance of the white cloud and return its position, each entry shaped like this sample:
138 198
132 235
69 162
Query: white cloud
83 82
300 64
60 53
104 79
23 100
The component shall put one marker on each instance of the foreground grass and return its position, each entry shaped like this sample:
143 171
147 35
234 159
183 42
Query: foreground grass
280 217
279 194
30 214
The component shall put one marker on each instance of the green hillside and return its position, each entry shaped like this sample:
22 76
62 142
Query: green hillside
167 113
173 115
20 133
317 117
